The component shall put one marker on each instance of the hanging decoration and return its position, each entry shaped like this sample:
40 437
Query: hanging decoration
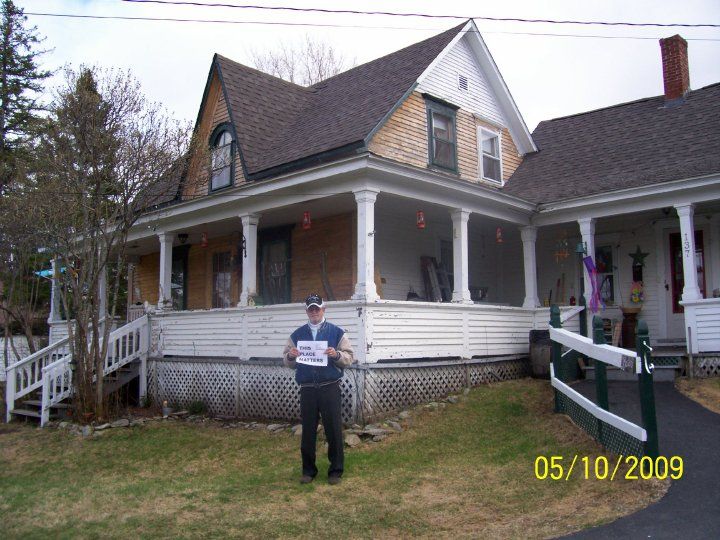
204 240
498 235
420 219
595 300
638 263
561 249
306 222
636 293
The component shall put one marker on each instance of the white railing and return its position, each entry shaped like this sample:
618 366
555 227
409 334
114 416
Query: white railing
135 312
56 386
51 367
26 375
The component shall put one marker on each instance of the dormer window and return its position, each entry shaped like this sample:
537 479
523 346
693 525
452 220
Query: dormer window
490 158
221 152
442 138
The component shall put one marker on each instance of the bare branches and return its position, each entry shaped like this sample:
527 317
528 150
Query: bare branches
306 63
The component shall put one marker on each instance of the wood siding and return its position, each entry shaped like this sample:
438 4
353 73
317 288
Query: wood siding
215 113
442 82
404 138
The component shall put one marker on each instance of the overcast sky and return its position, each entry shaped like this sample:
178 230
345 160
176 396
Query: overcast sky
549 76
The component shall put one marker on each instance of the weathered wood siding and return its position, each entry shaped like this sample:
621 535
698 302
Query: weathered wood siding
404 138
216 112
241 332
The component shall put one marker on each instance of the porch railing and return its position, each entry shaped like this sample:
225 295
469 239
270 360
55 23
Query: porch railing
702 325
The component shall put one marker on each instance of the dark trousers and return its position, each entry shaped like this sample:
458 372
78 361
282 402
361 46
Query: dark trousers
325 402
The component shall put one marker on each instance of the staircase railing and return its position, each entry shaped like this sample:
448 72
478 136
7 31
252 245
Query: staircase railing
51 368
26 375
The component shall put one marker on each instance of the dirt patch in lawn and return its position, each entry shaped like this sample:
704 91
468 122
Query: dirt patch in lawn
705 391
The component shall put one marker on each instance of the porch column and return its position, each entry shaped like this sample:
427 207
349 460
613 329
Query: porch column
102 292
365 288
529 237
461 290
54 293
587 231
249 258
686 212
165 294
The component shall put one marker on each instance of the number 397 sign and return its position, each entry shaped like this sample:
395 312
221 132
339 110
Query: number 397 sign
312 353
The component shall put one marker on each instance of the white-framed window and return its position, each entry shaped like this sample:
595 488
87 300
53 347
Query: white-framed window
490 155
442 138
221 156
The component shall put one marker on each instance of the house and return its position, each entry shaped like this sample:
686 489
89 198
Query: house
410 179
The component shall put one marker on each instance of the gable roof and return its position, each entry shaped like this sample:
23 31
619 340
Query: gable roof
628 145
278 123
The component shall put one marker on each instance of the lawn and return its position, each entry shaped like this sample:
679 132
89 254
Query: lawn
462 471
705 391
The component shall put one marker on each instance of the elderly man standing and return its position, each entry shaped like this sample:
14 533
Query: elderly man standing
318 372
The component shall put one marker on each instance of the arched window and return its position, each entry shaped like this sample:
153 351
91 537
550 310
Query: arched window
222 160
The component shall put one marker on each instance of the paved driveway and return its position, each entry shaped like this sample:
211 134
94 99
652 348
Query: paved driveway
691 507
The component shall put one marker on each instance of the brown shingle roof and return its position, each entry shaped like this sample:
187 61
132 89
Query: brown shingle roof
628 145
278 123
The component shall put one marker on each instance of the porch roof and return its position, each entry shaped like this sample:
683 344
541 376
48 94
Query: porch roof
629 145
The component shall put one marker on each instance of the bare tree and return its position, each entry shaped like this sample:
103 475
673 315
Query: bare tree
104 156
306 63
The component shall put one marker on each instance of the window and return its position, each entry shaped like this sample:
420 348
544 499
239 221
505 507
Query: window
441 135
179 278
605 273
221 160
490 164
221 279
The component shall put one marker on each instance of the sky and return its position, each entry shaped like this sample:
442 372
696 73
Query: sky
548 75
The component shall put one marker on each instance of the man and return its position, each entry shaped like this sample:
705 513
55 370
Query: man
320 388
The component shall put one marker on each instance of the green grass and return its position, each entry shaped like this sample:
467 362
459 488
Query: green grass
466 470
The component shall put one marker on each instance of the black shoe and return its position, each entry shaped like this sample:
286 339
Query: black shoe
334 480
305 479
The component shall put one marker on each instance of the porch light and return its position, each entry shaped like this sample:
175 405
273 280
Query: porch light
420 219
306 222
498 235
204 240
581 248
183 237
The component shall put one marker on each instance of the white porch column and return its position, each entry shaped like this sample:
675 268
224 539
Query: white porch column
365 288
165 295
102 292
587 231
529 237
686 212
249 258
54 293
461 290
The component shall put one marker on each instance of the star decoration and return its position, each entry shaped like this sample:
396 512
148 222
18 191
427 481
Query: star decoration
638 257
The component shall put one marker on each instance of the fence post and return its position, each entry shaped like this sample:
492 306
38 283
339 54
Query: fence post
583 317
601 391
647 392
556 348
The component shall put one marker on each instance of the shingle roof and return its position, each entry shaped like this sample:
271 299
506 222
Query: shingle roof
278 123
628 145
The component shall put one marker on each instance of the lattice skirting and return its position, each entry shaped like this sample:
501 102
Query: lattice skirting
268 390
706 366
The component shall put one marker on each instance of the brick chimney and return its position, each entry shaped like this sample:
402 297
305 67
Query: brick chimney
676 74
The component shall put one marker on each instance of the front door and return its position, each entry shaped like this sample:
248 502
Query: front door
676 281
274 266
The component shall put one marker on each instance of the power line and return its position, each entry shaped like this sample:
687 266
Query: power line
328 25
423 15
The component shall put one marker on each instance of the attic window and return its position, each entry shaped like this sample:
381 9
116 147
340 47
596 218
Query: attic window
463 83
221 159
442 139
490 156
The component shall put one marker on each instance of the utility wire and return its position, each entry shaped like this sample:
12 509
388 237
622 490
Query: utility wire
328 25
423 15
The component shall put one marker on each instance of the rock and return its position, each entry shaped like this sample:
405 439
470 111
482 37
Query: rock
378 438
452 399
466 391
86 431
138 422
372 426
394 425
352 440
180 413
275 427
432 406
63 425
356 426
102 427
297 430
404 415
123 422
374 432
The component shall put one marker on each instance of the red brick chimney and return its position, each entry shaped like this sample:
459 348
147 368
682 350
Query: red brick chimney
676 74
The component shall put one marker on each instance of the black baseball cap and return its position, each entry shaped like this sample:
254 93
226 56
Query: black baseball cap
314 300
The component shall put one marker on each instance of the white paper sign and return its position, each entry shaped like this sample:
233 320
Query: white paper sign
312 353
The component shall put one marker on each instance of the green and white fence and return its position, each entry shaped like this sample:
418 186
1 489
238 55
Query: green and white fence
612 431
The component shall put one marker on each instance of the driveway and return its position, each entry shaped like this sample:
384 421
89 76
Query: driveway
691 507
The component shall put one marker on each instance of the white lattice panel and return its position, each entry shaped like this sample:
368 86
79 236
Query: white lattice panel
497 371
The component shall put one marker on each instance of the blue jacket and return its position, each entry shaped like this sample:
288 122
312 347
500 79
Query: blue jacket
308 375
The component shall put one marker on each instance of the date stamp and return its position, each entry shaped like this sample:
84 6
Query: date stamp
602 468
